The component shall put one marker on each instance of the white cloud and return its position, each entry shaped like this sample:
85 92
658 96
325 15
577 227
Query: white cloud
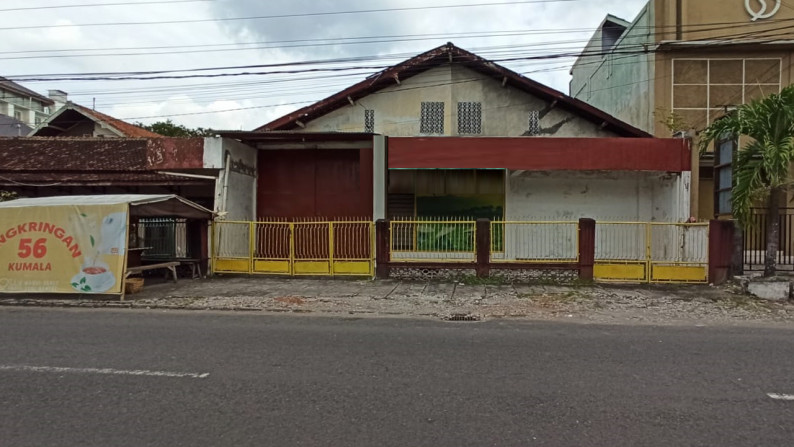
207 97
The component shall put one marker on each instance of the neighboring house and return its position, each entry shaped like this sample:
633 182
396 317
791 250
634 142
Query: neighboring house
11 127
463 137
23 104
680 65
74 120
199 169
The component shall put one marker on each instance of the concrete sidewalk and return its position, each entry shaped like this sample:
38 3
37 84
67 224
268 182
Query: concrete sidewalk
599 303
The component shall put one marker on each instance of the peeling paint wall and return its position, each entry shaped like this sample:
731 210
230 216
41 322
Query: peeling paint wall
505 110
606 196
237 195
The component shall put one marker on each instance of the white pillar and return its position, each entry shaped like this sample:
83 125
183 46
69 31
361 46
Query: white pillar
380 166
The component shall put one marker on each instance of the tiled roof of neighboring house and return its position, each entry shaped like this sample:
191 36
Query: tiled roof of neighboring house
66 178
73 154
5 84
99 161
71 110
127 129
440 56
12 127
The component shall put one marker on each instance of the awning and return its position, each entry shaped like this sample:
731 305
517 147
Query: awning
141 205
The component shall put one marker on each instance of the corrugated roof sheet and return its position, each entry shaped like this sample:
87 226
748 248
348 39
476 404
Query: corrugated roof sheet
109 199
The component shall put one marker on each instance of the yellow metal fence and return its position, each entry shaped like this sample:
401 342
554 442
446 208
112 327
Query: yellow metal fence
651 252
327 248
534 242
432 240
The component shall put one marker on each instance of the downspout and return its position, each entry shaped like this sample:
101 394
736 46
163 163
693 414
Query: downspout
225 190
679 18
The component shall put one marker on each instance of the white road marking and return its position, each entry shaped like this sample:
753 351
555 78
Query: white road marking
106 371
781 396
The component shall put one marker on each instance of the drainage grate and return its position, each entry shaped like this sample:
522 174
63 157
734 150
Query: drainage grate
463 317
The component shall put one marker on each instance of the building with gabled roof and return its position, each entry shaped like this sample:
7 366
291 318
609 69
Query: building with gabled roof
455 135
23 104
455 89
74 120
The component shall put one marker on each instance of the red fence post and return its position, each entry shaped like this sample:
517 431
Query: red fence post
483 247
720 250
382 249
587 237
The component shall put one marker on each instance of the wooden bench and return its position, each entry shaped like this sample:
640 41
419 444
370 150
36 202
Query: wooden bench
171 266
193 263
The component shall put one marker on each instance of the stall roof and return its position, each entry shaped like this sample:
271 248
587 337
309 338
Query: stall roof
141 205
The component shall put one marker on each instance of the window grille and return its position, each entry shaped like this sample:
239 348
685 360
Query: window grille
534 123
432 119
469 118
369 121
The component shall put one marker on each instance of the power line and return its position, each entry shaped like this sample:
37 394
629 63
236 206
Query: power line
29 8
299 43
286 16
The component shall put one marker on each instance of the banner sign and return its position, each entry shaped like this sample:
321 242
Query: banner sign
63 249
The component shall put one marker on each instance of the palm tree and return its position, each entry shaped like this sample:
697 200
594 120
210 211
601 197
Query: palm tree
761 168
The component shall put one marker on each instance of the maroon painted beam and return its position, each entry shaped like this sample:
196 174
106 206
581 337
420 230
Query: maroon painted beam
540 154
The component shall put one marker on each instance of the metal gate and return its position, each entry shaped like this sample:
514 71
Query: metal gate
327 248
651 252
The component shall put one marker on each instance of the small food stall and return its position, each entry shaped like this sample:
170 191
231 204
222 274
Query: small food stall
82 244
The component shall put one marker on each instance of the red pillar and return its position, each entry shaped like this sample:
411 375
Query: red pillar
587 233
720 250
382 249
483 247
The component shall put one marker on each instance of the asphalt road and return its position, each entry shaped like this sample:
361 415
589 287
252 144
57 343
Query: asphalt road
137 378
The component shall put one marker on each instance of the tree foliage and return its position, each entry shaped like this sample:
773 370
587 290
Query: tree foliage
761 168
168 128
762 164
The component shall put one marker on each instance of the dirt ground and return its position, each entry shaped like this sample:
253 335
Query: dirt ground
593 303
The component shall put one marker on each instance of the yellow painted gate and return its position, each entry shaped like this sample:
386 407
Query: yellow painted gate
327 248
651 252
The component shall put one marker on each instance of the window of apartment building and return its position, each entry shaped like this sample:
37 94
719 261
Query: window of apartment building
369 121
469 118
432 118
704 88
723 174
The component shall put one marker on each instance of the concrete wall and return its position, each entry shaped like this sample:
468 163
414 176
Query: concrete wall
615 196
605 197
505 110
620 84
237 195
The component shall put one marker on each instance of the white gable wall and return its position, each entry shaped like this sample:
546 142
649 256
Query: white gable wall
505 110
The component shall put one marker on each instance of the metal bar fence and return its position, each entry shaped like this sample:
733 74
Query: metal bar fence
438 239
535 241
651 252
163 237
754 239
276 247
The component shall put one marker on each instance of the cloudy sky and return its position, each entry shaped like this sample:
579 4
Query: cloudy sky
299 50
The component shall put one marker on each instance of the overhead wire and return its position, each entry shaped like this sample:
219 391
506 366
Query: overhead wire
286 16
